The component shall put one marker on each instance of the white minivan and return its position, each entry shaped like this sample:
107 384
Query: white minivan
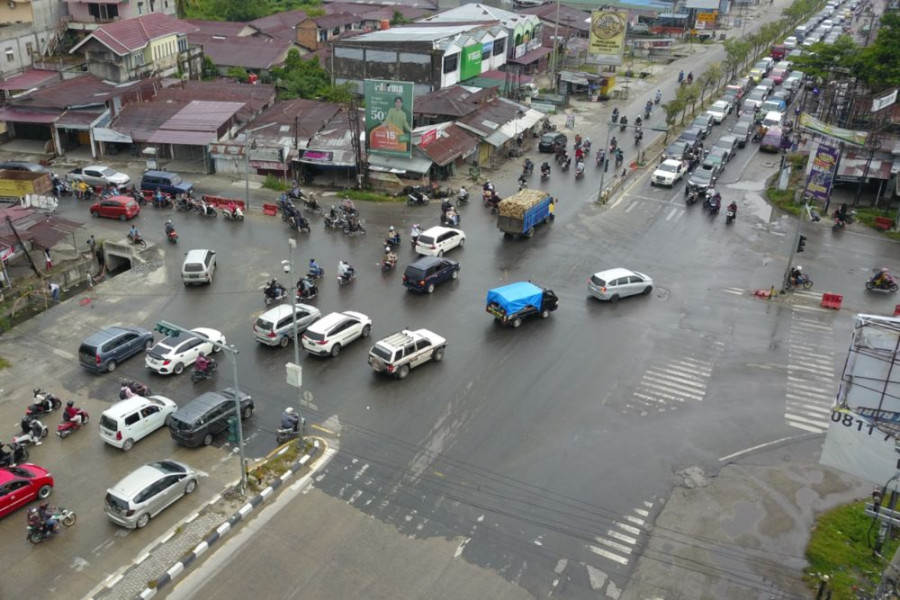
132 419
773 119
199 266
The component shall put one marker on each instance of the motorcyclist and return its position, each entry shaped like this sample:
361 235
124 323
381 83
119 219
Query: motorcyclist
615 115
623 123
390 257
305 286
463 193
73 414
133 233
613 143
446 205
681 76
658 96
345 270
545 168
522 181
648 108
201 365
314 268
732 208
579 154
273 289
46 400
290 419
169 227
49 523
527 166
579 168
638 121
796 275
488 186
125 391
690 77
452 217
332 212
883 278
415 232
586 145
393 236
841 213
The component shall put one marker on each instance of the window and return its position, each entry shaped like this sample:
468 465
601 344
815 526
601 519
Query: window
336 31
132 419
486 51
422 344
499 46
323 36
451 63
29 48
10 55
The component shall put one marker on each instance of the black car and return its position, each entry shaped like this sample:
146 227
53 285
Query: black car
693 136
429 271
551 142
677 150
742 131
166 182
703 178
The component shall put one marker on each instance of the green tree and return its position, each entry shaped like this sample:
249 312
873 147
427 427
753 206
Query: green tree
828 61
209 68
238 73
877 65
736 52
672 108
715 72
240 10
301 78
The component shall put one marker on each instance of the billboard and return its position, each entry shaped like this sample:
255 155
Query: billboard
813 124
608 35
822 167
470 66
389 106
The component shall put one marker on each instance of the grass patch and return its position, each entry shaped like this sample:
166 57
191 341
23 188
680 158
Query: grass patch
839 548
274 183
4 364
866 215
364 196
785 199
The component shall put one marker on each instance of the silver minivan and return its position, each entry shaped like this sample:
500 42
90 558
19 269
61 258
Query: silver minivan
146 492
199 266
275 326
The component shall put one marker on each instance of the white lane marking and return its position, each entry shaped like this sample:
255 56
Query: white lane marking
606 554
760 447
808 428
630 207
671 214
614 545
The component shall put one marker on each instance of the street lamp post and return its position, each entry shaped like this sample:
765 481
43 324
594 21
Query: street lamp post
171 329
611 126
294 370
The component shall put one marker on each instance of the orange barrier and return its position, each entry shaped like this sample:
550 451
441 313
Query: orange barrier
221 202
270 209
832 301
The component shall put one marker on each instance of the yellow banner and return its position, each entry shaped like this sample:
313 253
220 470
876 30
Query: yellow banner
608 32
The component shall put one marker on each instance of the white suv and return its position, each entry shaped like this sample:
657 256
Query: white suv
434 241
334 331
668 173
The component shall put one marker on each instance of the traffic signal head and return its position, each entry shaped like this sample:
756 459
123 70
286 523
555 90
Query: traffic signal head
801 244
877 495
167 329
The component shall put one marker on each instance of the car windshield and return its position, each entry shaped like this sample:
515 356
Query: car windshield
668 168
549 138
426 239
704 173
675 149
167 466
107 172
20 472
720 106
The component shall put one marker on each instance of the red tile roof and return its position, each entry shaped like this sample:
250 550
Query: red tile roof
249 52
126 36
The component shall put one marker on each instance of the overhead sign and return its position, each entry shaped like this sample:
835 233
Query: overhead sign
389 106
811 123
470 65
822 166
884 101
608 35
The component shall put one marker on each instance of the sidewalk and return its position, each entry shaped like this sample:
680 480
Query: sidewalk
172 553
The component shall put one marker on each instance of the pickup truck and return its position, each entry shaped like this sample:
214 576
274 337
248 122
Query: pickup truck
398 353
18 184
512 303
521 212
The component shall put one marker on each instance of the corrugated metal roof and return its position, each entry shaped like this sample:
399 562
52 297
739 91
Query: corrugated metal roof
307 117
84 90
480 12
125 36
414 33
255 97
280 20
452 143
141 120
19 115
29 79
185 138
530 57
417 163
249 52
572 17
335 20
225 28
202 115
78 119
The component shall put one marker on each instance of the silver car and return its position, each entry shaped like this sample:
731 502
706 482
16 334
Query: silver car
146 492
613 284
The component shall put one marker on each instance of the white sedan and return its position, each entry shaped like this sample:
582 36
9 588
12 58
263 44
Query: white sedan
173 354
434 241
668 173
99 175
719 111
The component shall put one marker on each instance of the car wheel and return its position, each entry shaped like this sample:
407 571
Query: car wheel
462 242
285 340
122 218
430 288
44 492
335 350
438 355
366 330
647 290
545 313
217 349
247 412
455 274
95 214
403 372
440 253
517 322
142 521
128 445
178 369
190 487
148 344
207 439
111 366
614 298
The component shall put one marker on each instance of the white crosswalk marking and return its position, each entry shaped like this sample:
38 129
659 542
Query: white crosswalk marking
811 384
621 540
667 386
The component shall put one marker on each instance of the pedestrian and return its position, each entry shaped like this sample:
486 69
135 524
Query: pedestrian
47 261
624 172
54 291
92 244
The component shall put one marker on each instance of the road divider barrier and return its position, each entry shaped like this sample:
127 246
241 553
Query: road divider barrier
270 209
832 301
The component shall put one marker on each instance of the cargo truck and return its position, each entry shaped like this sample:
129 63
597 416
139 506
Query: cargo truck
512 303
522 212
15 185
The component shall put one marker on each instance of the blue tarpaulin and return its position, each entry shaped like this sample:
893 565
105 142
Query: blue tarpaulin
514 297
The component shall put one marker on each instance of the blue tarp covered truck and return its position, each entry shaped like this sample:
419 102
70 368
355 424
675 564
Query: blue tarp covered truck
522 212
512 303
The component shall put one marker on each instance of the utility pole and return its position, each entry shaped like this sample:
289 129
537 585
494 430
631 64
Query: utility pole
555 65
294 370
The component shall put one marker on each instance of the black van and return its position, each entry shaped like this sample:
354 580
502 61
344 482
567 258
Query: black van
197 422
166 182
428 271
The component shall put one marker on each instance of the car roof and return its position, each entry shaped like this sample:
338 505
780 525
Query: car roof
332 319
438 230
427 261
98 167
283 310
720 102
671 161
614 273
129 404
143 476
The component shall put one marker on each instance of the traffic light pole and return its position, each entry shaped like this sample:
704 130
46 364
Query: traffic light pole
167 328
295 371
797 247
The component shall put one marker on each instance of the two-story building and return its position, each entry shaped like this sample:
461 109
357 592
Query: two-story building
28 31
145 46
431 56
315 32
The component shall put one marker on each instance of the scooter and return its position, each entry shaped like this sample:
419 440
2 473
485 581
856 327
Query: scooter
802 282
392 241
137 240
387 266
198 375
205 210
729 216
315 275
579 173
345 279
66 427
691 195
286 434
462 198
545 175
298 222
172 236
17 454
137 388
236 215
37 533
338 222
33 431
274 296
307 293
44 403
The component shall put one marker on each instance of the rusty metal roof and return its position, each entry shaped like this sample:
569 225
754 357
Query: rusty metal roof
452 143
249 52
140 120
29 79
128 35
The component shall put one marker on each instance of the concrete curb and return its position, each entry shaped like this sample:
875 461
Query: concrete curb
179 567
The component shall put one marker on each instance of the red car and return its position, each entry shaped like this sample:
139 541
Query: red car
21 484
116 207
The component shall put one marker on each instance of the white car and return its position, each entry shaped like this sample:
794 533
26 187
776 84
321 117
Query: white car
719 111
334 331
437 240
668 173
613 284
99 175
173 354
132 419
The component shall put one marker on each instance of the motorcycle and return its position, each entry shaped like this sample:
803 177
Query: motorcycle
137 388
164 201
198 375
172 235
315 275
417 198
579 173
638 136
545 175
137 240
184 205
888 285
286 434
233 215
691 195
528 169
337 222
730 215
462 198
353 228
392 241
345 279
847 220
615 116
565 166
44 403
17 454
298 222
599 159
37 533
275 295
712 203
33 431
205 210
803 281
308 293
450 219
387 266
66 427
312 205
